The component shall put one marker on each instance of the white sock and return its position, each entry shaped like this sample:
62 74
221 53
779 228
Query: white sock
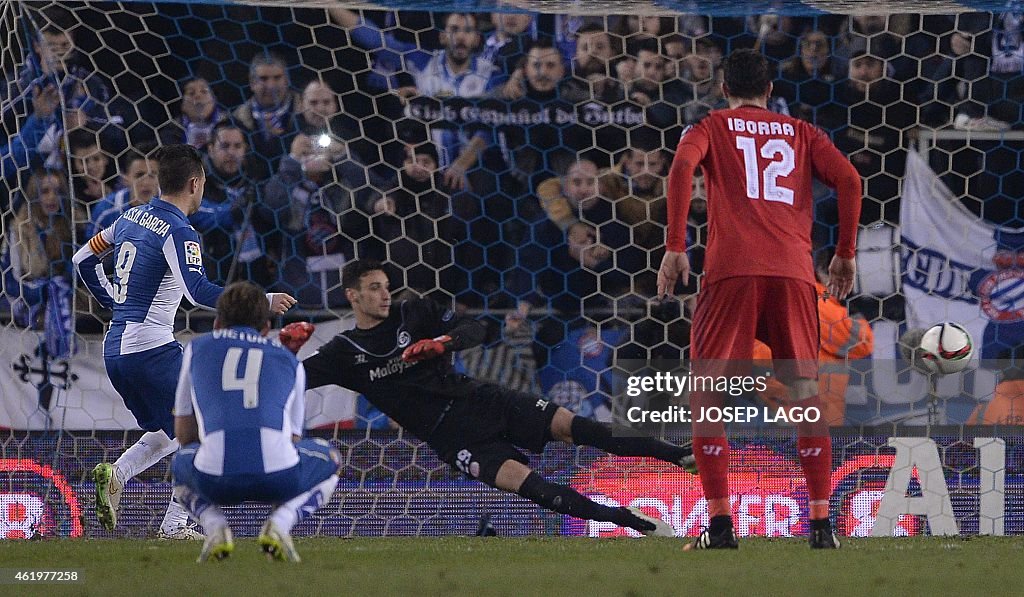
195 507
177 516
297 509
212 519
149 450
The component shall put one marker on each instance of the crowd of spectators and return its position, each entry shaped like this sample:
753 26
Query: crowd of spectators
515 161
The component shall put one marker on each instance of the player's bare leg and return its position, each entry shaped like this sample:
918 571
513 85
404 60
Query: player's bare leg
814 445
616 439
516 477
711 451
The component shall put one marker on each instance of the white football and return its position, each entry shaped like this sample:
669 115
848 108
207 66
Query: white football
945 348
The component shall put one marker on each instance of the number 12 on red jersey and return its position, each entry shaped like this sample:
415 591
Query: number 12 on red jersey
782 163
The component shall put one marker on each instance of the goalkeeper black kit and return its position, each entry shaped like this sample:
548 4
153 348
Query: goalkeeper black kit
414 395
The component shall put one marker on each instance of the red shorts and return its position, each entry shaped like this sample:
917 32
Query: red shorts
733 312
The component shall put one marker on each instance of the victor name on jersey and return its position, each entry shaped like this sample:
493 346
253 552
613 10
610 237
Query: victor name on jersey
244 336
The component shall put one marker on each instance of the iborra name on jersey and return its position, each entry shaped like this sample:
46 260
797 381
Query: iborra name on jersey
148 221
757 127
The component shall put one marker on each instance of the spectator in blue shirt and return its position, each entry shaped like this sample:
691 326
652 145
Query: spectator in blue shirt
269 115
138 176
57 93
200 114
456 70
232 247
508 42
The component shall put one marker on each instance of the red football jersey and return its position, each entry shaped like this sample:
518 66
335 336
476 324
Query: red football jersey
758 168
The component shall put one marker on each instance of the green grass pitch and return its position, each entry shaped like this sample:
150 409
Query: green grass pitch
535 566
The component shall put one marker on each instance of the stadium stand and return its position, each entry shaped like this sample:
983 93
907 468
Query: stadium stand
511 164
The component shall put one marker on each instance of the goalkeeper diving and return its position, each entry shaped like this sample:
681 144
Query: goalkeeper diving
399 355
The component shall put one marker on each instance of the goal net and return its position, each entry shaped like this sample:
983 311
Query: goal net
512 162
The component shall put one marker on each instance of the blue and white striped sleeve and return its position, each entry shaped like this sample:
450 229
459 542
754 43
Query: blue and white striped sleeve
183 395
297 410
184 255
89 263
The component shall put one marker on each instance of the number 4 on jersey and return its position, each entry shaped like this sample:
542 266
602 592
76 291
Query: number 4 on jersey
249 383
783 166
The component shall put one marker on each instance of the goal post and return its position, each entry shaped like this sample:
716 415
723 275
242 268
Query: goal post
533 199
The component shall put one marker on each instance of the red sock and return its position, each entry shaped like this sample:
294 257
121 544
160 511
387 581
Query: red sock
816 460
712 455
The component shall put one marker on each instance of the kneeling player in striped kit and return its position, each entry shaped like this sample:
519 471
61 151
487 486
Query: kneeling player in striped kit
239 415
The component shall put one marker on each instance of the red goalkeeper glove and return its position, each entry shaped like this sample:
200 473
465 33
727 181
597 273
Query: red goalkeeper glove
426 349
294 335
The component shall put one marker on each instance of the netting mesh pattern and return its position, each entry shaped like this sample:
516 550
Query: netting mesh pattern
393 486
513 164
532 180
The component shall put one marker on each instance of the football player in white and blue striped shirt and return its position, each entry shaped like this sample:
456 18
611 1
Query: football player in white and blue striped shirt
157 260
239 417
